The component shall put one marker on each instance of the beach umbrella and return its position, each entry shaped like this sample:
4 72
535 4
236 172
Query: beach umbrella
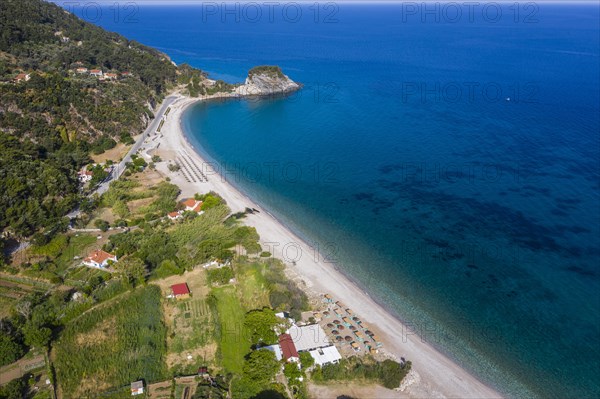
326 313
336 322
348 338
329 325
352 328
355 318
339 338
335 332
368 332
340 327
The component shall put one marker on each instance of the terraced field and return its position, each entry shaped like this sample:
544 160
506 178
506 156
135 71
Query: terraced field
13 288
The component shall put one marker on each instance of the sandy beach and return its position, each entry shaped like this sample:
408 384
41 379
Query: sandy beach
434 375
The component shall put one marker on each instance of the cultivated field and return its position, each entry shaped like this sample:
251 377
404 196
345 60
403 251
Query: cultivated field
113 344
13 288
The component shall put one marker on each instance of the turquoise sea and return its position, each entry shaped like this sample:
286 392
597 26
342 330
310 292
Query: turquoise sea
449 165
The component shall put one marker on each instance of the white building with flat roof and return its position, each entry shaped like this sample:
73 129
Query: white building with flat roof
326 355
307 338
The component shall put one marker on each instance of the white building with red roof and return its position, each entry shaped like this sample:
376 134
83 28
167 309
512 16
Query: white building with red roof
22 77
96 72
174 215
85 175
137 388
100 259
192 205
180 291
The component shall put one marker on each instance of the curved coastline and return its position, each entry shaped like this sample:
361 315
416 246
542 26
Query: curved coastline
436 373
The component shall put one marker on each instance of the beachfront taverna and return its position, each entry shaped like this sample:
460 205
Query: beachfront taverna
311 339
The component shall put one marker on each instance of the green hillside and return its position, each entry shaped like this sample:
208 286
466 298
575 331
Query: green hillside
53 114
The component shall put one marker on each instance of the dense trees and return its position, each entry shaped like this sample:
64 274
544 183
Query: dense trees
259 369
260 324
11 347
132 269
28 22
36 336
38 188
284 294
269 70
16 389
387 373
49 124
261 365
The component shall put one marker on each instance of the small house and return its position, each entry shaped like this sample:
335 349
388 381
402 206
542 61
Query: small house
326 355
126 74
96 72
100 259
180 291
22 77
137 388
174 215
203 372
192 205
111 76
288 349
85 175
81 70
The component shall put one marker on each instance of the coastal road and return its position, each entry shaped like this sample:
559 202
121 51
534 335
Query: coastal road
120 167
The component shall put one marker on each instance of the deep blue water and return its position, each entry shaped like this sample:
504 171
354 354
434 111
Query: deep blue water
475 219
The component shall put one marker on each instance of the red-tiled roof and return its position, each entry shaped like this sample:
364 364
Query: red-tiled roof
173 214
190 202
198 207
288 349
180 289
99 256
